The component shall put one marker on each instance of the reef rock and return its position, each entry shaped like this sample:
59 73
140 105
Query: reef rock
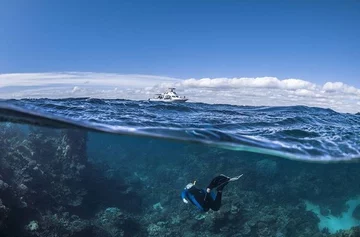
3 185
353 232
61 225
111 220
3 212
32 226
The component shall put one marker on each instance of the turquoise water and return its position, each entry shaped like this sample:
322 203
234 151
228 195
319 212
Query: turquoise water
86 167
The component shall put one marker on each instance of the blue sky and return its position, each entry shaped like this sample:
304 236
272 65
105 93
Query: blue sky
316 41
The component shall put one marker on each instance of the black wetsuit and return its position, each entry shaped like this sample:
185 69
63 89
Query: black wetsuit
203 200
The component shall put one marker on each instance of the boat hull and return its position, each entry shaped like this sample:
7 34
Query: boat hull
172 101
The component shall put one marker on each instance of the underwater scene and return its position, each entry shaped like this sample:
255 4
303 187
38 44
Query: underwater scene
112 168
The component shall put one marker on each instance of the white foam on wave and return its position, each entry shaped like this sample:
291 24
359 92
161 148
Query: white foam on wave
333 223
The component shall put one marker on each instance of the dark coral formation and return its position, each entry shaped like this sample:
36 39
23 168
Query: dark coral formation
353 232
47 186
78 183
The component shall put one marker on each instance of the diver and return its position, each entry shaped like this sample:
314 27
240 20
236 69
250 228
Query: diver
205 199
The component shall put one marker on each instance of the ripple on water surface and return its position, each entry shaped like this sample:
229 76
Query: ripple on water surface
296 132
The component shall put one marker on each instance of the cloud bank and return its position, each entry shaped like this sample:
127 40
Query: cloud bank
268 91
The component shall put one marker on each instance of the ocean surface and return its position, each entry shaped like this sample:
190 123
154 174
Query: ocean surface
93 167
297 132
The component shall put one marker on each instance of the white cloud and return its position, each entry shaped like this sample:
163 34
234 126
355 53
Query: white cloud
79 78
305 92
269 91
259 82
295 84
340 87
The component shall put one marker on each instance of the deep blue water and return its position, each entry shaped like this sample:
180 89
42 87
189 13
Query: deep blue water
297 132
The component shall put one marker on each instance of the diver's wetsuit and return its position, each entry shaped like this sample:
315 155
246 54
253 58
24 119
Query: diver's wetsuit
204 201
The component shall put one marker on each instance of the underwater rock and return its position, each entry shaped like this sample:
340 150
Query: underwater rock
266 168
63 224
155 230
111 213
246 230
263 230
353 232
279 234
115 223
3 212
23 203
32 226
22 189
158 207
3 185
356 212
41 182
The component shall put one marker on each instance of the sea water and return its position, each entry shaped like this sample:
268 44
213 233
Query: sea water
91 167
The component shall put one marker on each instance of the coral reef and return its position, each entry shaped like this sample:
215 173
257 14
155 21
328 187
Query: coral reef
353 232
47 186
69 182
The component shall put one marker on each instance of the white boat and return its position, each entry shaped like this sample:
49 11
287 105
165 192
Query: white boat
169 96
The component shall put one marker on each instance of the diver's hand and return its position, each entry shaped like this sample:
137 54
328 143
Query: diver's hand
208 190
